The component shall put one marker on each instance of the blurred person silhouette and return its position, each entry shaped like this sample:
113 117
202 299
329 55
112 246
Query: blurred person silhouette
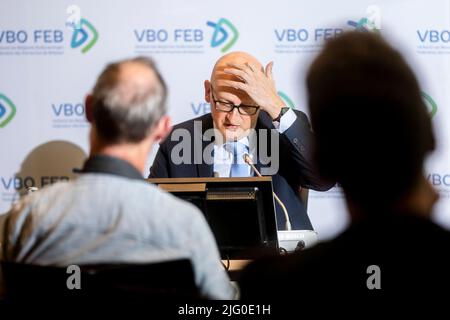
373 134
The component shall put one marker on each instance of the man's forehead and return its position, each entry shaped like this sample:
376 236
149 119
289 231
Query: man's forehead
218 75
237 57
220 86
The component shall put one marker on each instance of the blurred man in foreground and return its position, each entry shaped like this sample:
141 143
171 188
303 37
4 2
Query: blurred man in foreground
373 134
110 214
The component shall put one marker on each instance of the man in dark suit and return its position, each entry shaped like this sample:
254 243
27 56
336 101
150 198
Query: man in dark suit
373 133
247 117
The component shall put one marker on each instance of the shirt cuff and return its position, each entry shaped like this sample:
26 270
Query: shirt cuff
286 121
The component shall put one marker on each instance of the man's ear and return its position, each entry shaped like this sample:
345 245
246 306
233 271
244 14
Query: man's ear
207 85
88 105
162 128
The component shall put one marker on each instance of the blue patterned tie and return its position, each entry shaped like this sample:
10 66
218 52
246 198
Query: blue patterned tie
239 168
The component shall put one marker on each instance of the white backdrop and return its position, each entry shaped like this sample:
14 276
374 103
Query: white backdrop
47 66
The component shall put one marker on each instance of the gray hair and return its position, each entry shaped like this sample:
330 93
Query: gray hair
127 113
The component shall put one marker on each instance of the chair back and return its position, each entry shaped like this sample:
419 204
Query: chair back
134 283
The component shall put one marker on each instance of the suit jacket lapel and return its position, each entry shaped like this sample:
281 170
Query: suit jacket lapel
264 122
203 169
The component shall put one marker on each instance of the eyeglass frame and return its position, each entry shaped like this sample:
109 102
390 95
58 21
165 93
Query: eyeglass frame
234 106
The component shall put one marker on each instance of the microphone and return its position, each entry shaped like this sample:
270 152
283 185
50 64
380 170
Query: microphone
287 225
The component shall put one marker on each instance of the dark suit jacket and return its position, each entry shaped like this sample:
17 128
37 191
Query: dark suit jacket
410 251
295 167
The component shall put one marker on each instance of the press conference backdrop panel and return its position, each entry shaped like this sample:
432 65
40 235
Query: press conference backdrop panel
52 51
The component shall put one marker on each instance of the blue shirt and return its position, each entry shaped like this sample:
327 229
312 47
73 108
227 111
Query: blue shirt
223 157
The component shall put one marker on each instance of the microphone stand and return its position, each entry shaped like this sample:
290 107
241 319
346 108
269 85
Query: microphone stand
287 225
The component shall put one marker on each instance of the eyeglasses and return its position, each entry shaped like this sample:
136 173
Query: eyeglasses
224 106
